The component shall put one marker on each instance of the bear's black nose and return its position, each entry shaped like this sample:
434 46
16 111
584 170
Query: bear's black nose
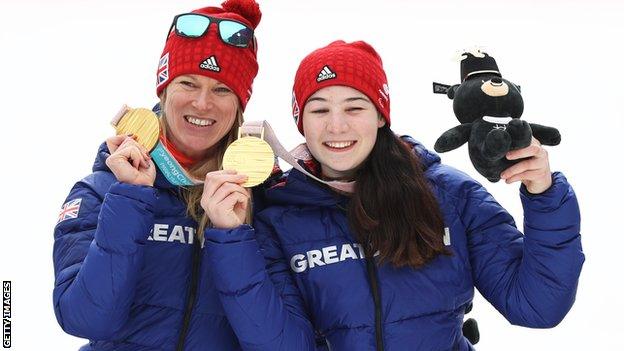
497 80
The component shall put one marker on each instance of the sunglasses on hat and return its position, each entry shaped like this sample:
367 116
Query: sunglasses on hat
231 32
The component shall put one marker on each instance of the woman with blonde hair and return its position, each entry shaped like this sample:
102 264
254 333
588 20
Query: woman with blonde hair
130 272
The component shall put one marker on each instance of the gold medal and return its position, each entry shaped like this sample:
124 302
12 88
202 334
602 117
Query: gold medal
140 122
252 157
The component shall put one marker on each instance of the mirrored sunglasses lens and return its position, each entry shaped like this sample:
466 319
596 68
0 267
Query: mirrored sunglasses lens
235 33
192 26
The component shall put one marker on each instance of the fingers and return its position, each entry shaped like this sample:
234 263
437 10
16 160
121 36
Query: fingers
227 189
224 198
214 180
113 142
130 161
149 169
529 175
230 212
535 149
134 152
237 202
535 167
522 166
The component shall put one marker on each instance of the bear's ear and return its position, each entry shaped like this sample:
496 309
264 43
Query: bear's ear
439 88
451 92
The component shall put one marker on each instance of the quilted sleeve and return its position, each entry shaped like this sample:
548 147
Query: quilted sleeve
258 294
531 279
98 256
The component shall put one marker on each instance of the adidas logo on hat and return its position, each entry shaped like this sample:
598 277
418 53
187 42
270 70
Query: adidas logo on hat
210 64
325 74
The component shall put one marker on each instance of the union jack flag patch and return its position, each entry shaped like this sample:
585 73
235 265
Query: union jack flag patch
69 210
163 70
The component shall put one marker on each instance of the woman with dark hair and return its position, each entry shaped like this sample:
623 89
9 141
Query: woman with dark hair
130 272
393 263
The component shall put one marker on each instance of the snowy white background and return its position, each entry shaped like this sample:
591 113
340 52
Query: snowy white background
66 66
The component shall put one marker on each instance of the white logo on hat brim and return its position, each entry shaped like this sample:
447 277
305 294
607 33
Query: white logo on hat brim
210 64
325 74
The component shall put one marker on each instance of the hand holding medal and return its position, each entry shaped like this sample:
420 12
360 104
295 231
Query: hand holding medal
247 162
141 123
129 159
144 126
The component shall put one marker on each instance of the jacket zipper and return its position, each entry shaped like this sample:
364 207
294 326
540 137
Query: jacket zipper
371 269
192 295
374 283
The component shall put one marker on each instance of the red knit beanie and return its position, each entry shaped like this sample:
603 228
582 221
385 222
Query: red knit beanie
356 65
209 56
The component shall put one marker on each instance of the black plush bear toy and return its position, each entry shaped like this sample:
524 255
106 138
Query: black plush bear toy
489 109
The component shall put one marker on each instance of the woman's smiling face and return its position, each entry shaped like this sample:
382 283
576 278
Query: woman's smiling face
199 112
340 126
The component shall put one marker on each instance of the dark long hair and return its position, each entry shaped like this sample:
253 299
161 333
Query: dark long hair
393 209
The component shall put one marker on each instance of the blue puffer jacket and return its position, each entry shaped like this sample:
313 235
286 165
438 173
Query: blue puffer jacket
314 269
129 273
